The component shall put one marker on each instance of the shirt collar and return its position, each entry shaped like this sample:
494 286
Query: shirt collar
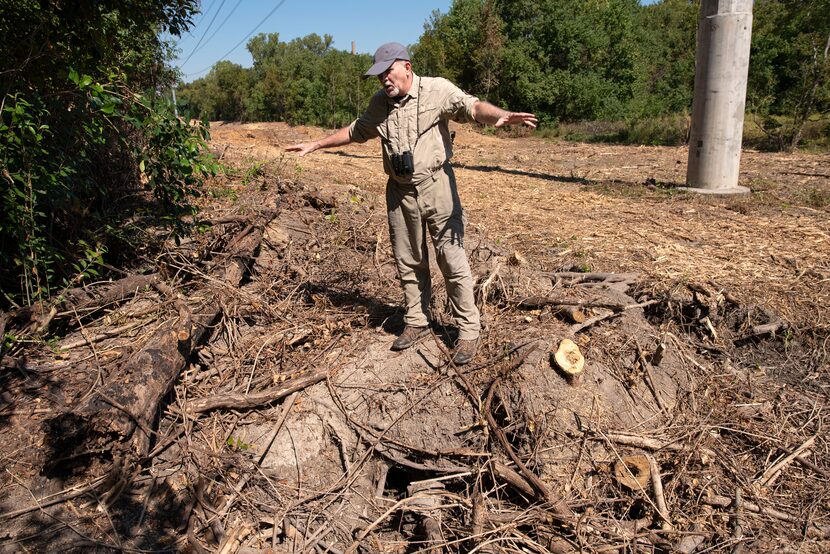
416 86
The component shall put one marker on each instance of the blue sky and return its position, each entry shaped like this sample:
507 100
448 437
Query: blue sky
225 23
369 23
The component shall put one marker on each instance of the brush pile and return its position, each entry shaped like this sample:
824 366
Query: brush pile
236 393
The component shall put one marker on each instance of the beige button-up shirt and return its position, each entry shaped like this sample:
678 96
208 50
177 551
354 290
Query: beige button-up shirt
418 122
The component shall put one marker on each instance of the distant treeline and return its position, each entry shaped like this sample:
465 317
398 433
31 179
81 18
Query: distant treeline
565 60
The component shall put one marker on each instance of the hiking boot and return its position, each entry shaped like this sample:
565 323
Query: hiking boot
465 351
410 336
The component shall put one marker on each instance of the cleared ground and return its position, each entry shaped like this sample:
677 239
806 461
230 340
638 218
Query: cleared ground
613 208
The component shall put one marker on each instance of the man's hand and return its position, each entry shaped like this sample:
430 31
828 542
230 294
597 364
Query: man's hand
339 138
488 114
515 118
303 148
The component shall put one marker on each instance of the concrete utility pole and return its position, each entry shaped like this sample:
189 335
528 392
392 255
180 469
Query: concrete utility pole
721 67
175 104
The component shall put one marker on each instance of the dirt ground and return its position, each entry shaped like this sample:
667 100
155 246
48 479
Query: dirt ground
697 426
615 208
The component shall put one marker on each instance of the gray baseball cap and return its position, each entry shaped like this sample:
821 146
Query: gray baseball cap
385 56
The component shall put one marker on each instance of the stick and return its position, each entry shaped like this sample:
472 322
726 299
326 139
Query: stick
659 498
772 473
239 401
63 496
802 459
111 332
813 530
737 529
759 331
486 284
652 444
353 547
504 473
649 376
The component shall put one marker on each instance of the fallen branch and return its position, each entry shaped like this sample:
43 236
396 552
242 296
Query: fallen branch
111 332
812 530
242 401
647 443
802 459
596 319
536 302
504 473
37 317
659 498
772 472
117 420
608 279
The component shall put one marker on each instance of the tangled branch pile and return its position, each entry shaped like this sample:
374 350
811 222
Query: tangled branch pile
239 395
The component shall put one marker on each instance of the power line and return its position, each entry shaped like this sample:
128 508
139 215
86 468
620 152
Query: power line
226 54
227 17
205 33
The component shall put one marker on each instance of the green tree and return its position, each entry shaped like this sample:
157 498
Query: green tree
304 80
81 127
465 46
666 34
790 65
223 94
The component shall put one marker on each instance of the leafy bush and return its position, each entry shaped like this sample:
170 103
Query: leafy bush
672 130
77 146
57 211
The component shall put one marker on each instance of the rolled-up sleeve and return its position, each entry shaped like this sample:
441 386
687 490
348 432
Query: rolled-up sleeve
367 126
457 104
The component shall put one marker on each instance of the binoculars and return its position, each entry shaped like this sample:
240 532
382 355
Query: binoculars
403 164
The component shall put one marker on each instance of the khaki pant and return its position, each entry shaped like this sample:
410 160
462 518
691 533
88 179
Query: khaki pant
432 205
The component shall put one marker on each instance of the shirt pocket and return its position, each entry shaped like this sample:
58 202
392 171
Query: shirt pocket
427 117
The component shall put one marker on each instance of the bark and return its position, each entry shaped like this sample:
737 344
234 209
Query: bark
242 401
117 420
37 317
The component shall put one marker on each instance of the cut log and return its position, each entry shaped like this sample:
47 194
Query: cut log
573 314
116 421
569 360
37 317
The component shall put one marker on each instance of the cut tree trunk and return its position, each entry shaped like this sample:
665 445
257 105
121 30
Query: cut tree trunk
117 420
37 317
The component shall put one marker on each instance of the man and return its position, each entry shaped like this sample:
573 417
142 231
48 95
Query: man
410 115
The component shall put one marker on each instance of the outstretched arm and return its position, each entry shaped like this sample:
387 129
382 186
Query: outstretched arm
488 114
340 138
